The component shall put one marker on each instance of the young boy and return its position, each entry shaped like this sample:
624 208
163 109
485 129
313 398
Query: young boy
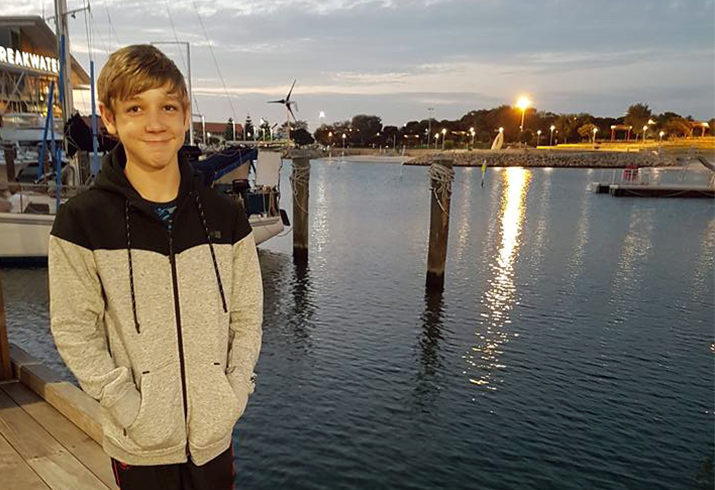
155 290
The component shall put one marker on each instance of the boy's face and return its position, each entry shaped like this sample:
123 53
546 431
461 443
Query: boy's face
151 125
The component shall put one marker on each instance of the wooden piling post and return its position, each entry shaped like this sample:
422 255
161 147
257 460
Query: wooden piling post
300 181
442 176
5 365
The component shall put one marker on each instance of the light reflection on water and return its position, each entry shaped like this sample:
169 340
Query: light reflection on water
501 295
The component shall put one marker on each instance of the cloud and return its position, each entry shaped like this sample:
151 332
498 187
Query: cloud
395 55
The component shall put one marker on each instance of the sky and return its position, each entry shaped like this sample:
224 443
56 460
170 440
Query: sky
398 58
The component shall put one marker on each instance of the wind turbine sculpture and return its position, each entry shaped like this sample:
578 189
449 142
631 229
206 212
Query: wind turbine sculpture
289 112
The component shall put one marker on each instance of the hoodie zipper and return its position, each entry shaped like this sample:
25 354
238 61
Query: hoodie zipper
175 283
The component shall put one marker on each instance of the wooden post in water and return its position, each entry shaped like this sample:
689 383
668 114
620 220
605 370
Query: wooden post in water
442 176
5 366
300 181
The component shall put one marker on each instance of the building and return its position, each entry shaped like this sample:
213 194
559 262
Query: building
29 64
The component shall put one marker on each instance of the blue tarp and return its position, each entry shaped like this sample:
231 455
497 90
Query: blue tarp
219 164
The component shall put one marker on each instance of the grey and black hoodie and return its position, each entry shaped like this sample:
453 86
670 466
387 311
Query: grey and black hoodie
161 324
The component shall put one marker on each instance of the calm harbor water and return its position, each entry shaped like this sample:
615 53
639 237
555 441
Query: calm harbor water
572 347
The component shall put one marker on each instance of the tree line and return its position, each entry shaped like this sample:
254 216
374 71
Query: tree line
478 128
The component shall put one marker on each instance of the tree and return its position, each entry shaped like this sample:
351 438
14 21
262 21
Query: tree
638 116
248 131
301 137
325 135
679 127
228 133
365 128
586 130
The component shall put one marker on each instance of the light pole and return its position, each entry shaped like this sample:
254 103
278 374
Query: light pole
595 130
344 136
551 138
660 142
538 137
523 103
203 129
436 140
704 126
330 139
444 133
471 130
645 130
429 124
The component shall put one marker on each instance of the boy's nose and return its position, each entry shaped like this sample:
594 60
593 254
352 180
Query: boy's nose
154 123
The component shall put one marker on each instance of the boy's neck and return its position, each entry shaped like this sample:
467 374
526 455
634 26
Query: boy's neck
155 185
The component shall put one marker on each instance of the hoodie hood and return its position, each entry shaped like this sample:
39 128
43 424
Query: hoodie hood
111 178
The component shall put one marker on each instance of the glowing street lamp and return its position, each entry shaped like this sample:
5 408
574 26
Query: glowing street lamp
344 136
595 130
471 130
645 130
523 103
436 139
661 134
444 133
703 128
538 137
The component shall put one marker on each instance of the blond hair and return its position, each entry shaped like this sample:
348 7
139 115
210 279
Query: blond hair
134 69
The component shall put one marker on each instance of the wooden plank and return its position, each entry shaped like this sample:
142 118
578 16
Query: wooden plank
79 444
70 401
15 474
5 366
59 469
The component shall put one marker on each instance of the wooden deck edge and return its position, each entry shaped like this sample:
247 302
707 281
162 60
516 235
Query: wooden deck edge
66 398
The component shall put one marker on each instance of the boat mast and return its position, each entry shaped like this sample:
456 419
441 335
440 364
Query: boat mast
62 29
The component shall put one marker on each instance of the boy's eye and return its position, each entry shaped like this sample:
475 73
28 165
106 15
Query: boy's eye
170 107
134 108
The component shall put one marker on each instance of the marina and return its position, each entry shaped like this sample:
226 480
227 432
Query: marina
451 297
572 339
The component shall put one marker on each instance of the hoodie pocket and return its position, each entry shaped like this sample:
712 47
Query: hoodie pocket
160 422
215 408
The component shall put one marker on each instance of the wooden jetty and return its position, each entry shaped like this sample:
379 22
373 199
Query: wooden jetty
50 434
690 191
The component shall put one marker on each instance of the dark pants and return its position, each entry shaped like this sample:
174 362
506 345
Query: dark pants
217 474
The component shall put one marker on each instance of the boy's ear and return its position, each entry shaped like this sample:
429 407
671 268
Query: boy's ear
108 119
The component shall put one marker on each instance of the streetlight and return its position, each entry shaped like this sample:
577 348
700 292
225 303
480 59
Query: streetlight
645 130
429 124
704 126
444 133
661 134
538 137
436 140
523 103
344 136
595 130
330 139
471 130
551 137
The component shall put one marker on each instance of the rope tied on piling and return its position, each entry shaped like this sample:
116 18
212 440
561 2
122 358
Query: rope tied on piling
442 178
300 175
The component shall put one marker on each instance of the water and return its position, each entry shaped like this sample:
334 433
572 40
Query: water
572 347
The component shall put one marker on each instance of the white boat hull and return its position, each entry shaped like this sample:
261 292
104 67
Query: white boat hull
24 235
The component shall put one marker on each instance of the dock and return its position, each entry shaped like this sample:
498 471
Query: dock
42 448
671 191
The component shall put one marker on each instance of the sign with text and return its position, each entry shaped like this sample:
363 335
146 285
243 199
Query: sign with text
29 60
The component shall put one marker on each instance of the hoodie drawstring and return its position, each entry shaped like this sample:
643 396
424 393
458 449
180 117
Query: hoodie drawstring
213 254
131 268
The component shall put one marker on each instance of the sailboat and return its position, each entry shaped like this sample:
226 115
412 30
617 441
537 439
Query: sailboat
27 210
